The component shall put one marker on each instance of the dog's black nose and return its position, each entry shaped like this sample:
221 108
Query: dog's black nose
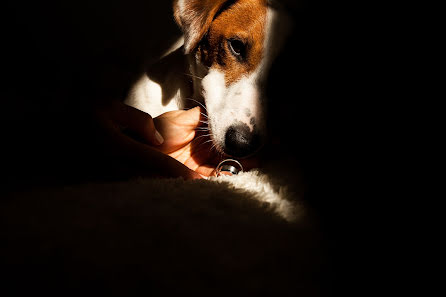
241 142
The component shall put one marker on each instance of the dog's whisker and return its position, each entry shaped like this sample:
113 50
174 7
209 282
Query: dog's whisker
194 76
201 104
201 136
203 114
207 141
203 143
219 151
214 147
202 129
204 135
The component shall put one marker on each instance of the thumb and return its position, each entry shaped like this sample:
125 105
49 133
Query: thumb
194 117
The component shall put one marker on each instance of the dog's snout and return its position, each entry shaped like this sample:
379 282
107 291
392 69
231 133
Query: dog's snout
240 141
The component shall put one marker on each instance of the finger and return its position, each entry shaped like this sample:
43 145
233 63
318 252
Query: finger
206 170
137 121
178 128
154 160
193 117
188 119
161 163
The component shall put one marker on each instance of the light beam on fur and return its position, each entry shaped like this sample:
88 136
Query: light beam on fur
263 189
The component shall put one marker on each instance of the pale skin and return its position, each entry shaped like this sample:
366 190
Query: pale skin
183 150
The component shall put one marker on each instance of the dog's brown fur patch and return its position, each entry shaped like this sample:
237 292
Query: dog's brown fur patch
244 20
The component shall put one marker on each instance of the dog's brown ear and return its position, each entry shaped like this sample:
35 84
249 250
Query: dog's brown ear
194 18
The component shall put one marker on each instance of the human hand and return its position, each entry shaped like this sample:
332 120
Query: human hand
187 140
185 148
117 116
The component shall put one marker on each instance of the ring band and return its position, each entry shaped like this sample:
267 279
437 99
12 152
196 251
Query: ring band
233 170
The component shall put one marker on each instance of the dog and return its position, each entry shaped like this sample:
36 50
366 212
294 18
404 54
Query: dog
221 63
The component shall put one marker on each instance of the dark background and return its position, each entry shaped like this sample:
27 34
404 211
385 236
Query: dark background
59 58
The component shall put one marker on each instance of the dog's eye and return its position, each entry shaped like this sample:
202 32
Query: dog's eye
237 47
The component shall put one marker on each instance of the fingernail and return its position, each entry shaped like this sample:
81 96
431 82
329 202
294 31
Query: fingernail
159 138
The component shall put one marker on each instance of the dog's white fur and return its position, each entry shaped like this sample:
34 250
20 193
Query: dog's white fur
241 102
146 94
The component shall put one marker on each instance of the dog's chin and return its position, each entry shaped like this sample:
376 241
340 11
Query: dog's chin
239 157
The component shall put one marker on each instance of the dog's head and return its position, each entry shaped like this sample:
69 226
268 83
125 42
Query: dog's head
231 45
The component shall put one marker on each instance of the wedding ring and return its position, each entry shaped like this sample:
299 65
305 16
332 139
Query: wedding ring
228 167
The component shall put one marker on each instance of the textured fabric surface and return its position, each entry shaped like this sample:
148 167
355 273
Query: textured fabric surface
245 234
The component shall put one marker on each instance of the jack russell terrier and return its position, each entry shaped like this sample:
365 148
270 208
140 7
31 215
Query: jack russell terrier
220 63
